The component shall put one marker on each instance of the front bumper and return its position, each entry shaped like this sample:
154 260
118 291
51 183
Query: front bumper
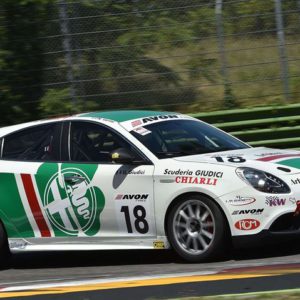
285 228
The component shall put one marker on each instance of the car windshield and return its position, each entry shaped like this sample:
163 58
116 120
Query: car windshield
184 137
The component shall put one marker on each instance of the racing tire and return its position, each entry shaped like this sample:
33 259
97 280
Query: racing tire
5 254
197 229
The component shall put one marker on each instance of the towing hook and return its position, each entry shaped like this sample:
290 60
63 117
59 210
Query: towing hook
297 211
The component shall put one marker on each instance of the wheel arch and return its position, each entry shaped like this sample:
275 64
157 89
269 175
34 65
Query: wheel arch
7 225
183 196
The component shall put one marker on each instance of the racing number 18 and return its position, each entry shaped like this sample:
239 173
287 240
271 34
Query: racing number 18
139 213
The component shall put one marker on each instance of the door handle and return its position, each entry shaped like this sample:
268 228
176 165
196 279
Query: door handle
73 179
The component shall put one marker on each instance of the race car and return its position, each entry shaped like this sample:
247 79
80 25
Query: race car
141 180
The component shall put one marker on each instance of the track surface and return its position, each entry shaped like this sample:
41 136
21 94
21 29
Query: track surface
59 267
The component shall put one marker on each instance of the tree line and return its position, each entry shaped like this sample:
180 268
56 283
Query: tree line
128 31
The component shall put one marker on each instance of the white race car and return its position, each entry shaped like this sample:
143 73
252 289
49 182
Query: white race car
141 180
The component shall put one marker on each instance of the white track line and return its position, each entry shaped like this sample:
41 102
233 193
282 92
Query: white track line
97 281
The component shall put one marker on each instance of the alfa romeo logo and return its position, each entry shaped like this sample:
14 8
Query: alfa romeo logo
72 204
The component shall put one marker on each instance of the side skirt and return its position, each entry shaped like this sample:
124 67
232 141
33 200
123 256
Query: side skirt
81 244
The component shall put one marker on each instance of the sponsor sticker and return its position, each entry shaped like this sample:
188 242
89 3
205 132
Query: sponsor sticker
136 123
142 131
17 244
247 224
130 172
196 180
202 173
158 118
240 201
293 200
275 201
136 197
158 245
153 119
254 211
268 154
133 214
295 181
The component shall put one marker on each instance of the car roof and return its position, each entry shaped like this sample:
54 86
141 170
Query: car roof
123 115
114 115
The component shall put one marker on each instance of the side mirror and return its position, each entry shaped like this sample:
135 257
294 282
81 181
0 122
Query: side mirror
122 156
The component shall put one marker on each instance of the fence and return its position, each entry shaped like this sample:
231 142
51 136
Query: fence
269 126
187 55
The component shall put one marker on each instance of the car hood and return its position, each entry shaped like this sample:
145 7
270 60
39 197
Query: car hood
267 159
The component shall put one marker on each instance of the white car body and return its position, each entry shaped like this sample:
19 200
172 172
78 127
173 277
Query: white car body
136 199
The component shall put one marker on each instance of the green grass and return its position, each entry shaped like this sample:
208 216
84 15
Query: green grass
254 67
275 295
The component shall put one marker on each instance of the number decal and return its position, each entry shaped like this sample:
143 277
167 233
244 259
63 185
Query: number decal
140 219
125 210
233 159
139 213
219 159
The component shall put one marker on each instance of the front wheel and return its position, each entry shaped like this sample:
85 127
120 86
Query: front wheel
197 229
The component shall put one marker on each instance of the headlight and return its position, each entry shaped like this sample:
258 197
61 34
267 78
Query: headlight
263 181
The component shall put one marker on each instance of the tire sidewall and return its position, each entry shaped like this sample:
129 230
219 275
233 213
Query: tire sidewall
4 249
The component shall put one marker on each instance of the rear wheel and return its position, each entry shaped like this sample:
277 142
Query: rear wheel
197 229
4 251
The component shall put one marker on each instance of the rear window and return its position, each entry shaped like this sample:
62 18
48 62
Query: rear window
31 144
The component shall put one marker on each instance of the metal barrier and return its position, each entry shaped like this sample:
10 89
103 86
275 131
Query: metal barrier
277 126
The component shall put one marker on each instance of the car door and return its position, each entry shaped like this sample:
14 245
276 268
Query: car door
107 199
24 154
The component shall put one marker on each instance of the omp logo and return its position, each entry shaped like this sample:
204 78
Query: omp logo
70 202
132 197
247 224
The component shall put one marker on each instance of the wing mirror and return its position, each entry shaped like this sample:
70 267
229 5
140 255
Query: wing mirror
122 156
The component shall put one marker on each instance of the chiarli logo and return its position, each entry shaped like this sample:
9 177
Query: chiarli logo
196 180
247 224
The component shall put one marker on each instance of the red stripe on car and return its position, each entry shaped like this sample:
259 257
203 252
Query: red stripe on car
34 205
269 158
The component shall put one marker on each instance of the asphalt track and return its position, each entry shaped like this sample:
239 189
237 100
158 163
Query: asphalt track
153 274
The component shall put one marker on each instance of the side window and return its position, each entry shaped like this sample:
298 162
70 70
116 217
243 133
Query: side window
91 142
37 143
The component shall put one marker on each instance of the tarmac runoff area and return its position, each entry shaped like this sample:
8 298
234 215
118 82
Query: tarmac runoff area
249 280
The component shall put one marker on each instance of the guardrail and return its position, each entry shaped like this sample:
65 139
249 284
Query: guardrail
275 126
